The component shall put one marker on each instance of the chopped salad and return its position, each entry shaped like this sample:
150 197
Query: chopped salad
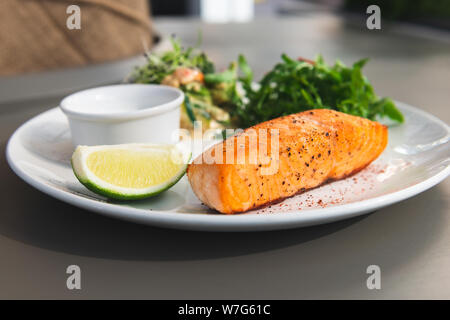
231 98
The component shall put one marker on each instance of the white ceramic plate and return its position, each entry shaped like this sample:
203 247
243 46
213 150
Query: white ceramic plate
417 158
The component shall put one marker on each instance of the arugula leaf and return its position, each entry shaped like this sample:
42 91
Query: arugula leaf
189 111
390 110
298 85
246 70
225 76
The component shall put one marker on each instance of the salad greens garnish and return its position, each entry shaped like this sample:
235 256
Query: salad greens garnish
210 96
231 98
159 66
298 85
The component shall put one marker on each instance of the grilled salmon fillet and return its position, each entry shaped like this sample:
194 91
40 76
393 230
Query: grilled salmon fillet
294 153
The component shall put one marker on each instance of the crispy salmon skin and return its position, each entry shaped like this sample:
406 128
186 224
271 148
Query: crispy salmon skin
293 153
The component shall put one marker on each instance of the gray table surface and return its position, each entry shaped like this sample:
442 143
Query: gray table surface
410 241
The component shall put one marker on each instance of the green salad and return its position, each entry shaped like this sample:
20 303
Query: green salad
232 98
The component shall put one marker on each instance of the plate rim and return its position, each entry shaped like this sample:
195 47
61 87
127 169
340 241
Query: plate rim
220 222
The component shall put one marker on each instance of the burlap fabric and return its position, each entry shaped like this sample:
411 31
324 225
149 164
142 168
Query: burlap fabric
34 35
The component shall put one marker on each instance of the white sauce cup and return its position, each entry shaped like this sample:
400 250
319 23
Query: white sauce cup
124 113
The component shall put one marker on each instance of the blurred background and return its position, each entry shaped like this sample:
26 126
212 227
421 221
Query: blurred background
434 13
41 57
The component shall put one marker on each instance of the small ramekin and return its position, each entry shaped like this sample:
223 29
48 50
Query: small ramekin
124 113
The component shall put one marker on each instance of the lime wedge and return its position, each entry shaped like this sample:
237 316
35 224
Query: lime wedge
129 171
